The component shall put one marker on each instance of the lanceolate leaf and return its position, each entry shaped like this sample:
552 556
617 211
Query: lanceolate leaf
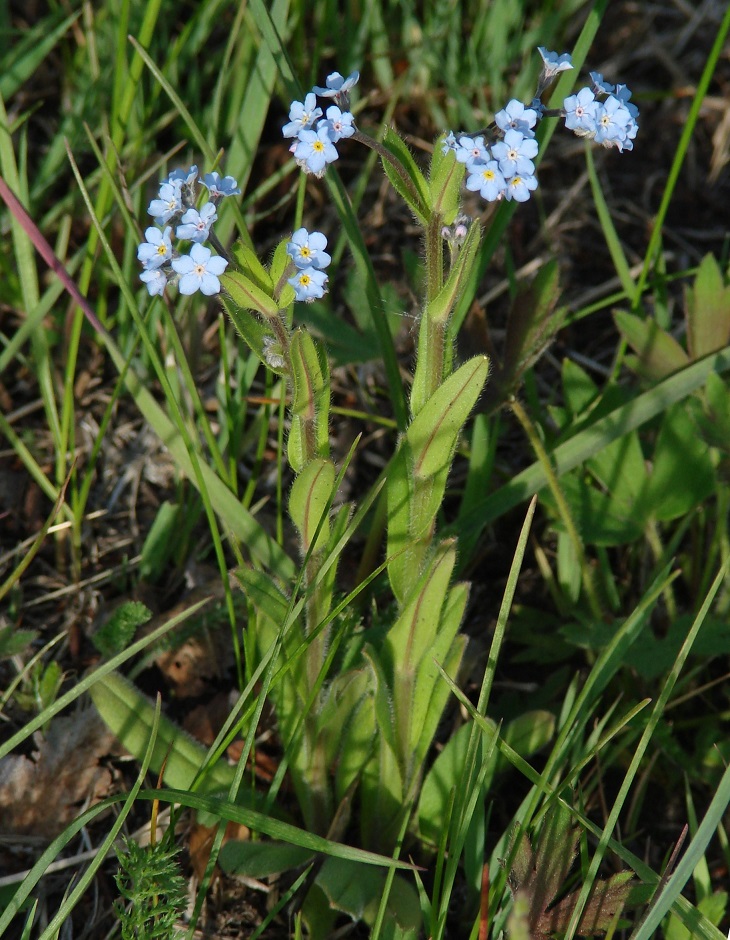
659 354
130 715
416 194
244 292
309 501
708 310
446 177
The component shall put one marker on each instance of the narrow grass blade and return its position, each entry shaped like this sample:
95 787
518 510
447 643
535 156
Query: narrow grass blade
623 269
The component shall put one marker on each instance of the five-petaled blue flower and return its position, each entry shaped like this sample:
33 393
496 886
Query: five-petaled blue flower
307 249
157 249
339 123
315 150
309 284
552 63
336 85
580 112
302 116
487 180
195 226
184 177
515 116
612 123
514 154
470 149
168 202
217 187
519 187
199 271
155 280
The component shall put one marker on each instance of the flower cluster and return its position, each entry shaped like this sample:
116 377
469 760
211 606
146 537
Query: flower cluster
307 251
499 162
176 199
611 121
503 169
316 136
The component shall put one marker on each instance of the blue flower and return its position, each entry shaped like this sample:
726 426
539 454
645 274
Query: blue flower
336 85
471 150
338 123
449 143
487 180
309 284
519 187
307 249
599 85
155 279
157 249
612 123
515 116
338 88
514 154
196 225
581 111
552 63
168 202
314 151
218 187
184 177
199 271
302 116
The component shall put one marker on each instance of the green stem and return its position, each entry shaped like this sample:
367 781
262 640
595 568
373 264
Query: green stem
563 508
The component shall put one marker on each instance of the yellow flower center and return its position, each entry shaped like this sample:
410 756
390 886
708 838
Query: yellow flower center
318 145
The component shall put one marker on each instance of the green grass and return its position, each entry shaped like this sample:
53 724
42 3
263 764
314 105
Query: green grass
610 638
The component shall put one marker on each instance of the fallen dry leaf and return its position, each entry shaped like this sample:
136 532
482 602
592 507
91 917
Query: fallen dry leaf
40 795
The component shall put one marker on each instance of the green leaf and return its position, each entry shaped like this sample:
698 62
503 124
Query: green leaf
118 632
251 268
160 542
445 180
279 263
659 354
683 473
707 310
309 434
14 642
417 195
418 475
130 715
356 890
263 594
441 307
309 502
527 734
247 295
432 436
261 859
431 693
